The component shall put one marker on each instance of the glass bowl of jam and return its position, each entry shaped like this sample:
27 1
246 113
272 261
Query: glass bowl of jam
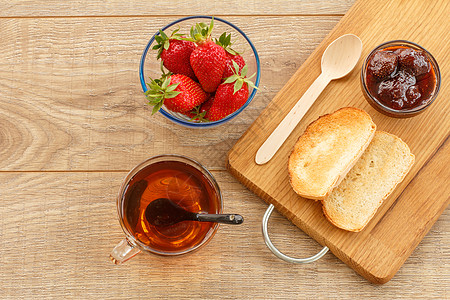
400 78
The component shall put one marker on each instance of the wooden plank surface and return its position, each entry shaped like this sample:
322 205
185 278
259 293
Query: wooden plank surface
34 8
73 121
369 252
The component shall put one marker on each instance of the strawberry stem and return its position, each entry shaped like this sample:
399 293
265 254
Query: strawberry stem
201 32
163 41
197 115
159 90
240 79
225 42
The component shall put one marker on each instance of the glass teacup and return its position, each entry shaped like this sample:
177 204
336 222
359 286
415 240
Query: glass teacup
175 177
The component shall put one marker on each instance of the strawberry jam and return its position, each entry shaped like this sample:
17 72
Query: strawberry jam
400 77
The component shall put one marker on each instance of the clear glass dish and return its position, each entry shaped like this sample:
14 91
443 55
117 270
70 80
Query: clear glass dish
150 66
381 107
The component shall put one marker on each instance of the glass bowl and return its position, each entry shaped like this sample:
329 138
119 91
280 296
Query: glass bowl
406 112
150 66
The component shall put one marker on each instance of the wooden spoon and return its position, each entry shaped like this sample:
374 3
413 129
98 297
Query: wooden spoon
338 60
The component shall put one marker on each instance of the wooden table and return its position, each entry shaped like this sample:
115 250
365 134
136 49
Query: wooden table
74 121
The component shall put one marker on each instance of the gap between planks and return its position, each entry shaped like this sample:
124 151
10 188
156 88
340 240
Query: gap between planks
214 169
169 16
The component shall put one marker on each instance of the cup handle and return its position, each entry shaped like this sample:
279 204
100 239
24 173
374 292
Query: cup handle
123 252
277 252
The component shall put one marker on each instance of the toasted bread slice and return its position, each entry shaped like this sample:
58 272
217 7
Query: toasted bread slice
382 166
327 150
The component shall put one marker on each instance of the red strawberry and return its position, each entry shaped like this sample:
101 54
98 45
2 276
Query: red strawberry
192 113
230 95
208 59
229 67
196 115
199 112
206 105
226 101
178 93
232 55
175 53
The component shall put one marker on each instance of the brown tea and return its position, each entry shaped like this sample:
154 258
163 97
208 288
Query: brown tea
183 184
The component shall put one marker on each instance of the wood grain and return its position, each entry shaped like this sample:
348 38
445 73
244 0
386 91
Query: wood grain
73 121
369 252
57 229
33 8
71 97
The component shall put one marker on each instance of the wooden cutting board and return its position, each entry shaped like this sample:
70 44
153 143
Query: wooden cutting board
382 247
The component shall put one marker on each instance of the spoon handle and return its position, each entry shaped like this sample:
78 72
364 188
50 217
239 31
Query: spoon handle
284 129
220 218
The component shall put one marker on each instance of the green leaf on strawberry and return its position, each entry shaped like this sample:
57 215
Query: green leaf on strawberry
197 115
225 42
177 92
201 32
158 91
243 71
163 41
239 79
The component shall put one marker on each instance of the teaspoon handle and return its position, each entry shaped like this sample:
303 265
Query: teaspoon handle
220 218
290 121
